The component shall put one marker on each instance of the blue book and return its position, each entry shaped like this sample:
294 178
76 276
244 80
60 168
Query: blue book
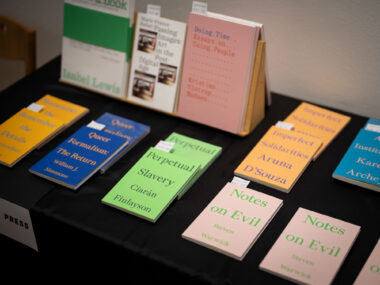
373 121
372 124
130 130
361 163
79 157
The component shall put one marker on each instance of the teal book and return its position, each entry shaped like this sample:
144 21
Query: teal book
361 163
204 153
152 184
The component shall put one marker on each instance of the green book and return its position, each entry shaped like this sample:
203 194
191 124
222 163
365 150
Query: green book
202 152
152 183
97 44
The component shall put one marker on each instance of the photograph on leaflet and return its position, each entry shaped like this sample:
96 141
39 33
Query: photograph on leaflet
147 41
143 85
167 74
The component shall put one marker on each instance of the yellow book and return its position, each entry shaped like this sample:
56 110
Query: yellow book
317 122
23 132
62 110
279 158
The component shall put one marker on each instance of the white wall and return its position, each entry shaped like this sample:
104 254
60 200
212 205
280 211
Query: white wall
324 51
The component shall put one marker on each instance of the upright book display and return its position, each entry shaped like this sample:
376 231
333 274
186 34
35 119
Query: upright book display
156 62
227 93
223 78
96 45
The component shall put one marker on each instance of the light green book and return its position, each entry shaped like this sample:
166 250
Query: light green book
149 187
202 152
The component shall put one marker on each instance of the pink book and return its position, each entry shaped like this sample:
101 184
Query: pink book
311 248
233 220
370 273
217 70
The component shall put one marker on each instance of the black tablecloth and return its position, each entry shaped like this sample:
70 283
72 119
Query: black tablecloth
74 229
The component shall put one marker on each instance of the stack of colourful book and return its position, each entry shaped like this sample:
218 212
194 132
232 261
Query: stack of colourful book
204 153
93 147
282 155
160 176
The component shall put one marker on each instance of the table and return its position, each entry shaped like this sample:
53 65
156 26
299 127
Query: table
75 230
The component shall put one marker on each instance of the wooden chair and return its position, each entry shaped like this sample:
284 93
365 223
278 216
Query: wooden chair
18 42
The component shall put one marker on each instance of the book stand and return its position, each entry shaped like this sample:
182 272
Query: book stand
255 111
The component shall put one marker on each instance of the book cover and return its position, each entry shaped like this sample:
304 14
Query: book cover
370 273
373 121
373 125
261 36
149 187
279 158
311 248
23 132
202 152
217 72
360 165
130 130
317 122
62 110
76 159
233 220
157 62
96 45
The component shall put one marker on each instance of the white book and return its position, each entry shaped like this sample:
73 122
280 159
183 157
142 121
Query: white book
96 45
156 62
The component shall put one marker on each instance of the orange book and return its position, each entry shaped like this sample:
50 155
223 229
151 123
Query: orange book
62 110
58 109
23 132
317 122
279 158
